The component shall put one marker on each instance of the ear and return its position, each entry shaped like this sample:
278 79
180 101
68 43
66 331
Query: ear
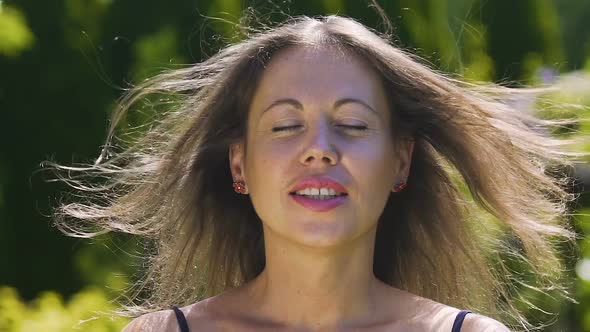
236 161
405 152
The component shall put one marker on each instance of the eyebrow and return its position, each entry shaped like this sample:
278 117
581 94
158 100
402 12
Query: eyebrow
338 103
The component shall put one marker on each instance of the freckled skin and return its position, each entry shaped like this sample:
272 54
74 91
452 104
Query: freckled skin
364 161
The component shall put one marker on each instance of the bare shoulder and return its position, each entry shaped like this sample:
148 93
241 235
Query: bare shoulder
479 323
163 320
428 315
200 316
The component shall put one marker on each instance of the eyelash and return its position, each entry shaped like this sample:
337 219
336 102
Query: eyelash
290 128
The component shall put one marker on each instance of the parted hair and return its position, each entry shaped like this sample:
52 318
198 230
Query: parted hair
487 187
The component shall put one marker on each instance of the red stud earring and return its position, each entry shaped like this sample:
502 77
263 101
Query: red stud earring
239 187
399 186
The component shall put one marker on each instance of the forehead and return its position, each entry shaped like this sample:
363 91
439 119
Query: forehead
318 74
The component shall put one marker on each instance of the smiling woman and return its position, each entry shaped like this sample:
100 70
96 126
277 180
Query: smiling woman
334 129
309 179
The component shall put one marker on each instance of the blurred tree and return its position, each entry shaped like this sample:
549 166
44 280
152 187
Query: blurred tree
522 35
574 18
15 35
49 312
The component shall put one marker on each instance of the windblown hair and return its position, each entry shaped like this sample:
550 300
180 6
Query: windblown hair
487 190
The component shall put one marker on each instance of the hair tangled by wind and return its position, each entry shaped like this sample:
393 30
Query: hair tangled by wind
485 185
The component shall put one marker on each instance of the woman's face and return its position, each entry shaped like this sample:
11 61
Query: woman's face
316 114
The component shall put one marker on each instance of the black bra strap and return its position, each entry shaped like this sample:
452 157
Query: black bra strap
181 319
459 320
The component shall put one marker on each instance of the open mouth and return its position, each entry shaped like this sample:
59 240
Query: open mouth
319 197
318 193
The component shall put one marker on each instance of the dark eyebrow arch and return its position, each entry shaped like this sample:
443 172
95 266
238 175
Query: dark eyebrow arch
354 100
290 101
295 103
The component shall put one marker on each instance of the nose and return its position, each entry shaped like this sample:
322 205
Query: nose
320 148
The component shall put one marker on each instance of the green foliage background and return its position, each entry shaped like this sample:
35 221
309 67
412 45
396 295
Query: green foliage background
63 63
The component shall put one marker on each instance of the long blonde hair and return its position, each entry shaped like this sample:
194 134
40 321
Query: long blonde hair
486 186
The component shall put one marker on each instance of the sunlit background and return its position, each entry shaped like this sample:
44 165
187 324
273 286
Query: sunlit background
63 64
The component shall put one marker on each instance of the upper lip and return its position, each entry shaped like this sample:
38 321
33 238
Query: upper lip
319 182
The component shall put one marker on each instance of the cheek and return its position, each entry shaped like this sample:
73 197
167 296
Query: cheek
266 166
269 174
375 155
373 167
267 156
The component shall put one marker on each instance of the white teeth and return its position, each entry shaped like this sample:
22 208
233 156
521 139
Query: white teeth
317 192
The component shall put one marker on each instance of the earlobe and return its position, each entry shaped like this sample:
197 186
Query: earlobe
404 167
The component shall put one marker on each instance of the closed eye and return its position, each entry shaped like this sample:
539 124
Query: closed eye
286 128
358 127
290 128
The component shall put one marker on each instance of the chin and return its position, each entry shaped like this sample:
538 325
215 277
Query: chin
322 234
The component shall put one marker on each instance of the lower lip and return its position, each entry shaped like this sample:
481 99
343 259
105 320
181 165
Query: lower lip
318 204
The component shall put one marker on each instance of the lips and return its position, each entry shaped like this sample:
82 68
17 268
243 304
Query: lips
319 205
319 182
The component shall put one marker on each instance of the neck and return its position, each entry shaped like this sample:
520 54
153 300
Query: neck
317 287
